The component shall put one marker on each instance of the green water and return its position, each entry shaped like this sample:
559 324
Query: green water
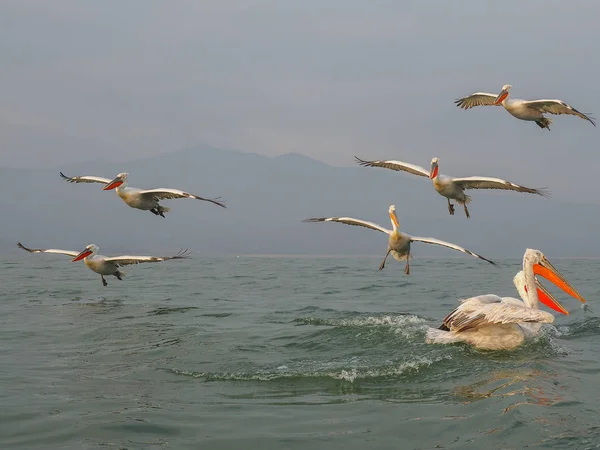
284 353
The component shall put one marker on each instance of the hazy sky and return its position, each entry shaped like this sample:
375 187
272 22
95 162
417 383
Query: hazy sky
329 79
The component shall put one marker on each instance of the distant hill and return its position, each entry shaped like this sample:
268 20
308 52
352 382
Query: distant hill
267 198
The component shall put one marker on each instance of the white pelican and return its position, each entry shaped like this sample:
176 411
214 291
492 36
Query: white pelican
398 242
453 188
530 110
496 323
146 200
105 265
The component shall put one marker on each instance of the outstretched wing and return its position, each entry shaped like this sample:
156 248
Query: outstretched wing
490 309
166 193
395 165
350 221
428 240
85 179
477 99
48 250
128 260
557 107
497 183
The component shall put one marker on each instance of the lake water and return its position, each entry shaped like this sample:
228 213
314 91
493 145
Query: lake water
284 353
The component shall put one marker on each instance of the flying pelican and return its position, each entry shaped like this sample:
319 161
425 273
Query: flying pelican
496 323
453 188
146 200
398 242
103 265
530 110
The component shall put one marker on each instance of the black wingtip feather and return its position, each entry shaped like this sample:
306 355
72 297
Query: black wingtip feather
184 253
25 248
362 162
544 192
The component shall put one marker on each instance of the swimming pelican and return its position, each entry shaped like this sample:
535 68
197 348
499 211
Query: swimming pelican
530 110
103 265
146 200
496 323
453 188
398 242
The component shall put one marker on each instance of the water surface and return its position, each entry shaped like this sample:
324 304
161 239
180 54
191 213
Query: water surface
284 353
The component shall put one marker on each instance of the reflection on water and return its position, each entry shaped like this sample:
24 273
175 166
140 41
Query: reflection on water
537 387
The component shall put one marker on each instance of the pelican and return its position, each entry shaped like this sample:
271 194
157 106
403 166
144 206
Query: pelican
496 323
146 200
453 188
530 110
398 242
105 265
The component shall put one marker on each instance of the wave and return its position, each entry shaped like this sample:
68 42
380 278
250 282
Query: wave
587 327
393 370
170 310
369 321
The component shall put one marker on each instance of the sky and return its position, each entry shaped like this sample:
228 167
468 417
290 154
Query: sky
116 81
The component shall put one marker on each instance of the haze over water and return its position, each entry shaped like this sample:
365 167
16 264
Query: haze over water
283 353
265 104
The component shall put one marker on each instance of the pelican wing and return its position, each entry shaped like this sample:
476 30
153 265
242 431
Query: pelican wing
85 179
48 250
395 165
477 99
128 260
557 107
490 309
496 183
350 221
428 240
167 194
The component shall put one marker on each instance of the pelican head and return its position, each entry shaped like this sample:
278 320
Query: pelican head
535 260
394 217
434 170
116 182
503 94
89 250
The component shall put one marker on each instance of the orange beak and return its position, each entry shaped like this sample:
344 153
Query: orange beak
394 219
82 255
113 184
549 272
501 96
548 299
434 172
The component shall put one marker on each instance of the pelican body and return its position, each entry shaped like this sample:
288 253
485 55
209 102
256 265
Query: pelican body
529 110
146 200
103 265
503 323
450 187
399 243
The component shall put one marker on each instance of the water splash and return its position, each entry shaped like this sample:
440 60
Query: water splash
369 321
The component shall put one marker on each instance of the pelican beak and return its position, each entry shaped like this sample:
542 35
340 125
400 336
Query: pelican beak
83 254
501 96
549 272
113 184
433 172
394 219
548 299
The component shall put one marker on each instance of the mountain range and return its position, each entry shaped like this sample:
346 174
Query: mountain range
267 198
